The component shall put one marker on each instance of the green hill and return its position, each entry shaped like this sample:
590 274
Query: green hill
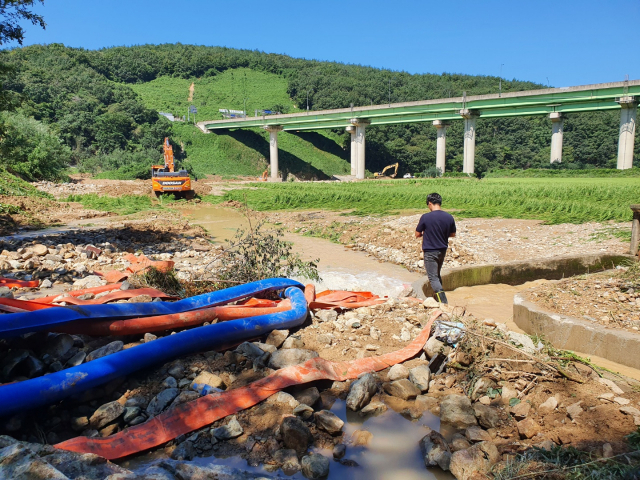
241 152
103 104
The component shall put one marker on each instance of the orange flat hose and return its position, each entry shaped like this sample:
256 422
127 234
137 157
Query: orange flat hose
32 305
117 295
12 282
23 305
168 322
205 410
77 293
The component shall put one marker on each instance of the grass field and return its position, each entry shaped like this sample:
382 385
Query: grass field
226 90
245 152
564 173
309 155
565 200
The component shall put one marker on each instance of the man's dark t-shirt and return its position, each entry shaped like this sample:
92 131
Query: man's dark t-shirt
436 227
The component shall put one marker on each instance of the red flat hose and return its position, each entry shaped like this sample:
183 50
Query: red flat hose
12 282
205 410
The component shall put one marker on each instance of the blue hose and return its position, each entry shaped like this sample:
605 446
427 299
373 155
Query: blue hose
41 391
19 323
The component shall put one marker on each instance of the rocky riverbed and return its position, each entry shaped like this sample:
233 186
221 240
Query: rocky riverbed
478 241
499 394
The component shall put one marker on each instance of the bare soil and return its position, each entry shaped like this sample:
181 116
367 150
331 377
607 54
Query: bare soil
478 241
608 298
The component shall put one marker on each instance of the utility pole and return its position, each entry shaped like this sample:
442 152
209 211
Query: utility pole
500 86
307 102
389 91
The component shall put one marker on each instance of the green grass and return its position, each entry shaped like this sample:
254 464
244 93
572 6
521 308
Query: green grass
308 155
226 90
564 200
14 186
564 173
124 205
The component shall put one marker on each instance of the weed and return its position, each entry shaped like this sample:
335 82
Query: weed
166 282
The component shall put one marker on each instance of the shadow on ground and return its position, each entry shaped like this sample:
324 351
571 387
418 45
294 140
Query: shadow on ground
288 163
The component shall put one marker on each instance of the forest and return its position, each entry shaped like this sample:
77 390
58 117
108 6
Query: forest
74 107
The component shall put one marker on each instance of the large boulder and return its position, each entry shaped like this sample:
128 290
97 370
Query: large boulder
106 414
435 450
308 396
315 466
113 347
206 378
17 462
232 429
295 434
488 417
403 389
161 401
420 376
398 372
477 459
277 337
361 391
435 346
329 422
288 461
456 410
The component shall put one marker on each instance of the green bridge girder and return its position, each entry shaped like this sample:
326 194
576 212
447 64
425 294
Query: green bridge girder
584 98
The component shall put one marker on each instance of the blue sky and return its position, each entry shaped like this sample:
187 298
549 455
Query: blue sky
560 42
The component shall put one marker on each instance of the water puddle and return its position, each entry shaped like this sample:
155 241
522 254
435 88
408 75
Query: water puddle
393 453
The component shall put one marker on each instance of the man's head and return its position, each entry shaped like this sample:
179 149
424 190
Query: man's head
434 201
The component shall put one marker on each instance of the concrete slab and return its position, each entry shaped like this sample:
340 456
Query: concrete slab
571 333
519 272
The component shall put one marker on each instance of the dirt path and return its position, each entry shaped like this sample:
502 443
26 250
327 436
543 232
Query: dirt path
192 87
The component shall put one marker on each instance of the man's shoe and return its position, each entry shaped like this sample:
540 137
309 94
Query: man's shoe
441 297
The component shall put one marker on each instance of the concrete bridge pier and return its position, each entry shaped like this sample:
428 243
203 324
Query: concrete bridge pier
360 125
273 151
354 148
628 114
557 129
470 117
441 140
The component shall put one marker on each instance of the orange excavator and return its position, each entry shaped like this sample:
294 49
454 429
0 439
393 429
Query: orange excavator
164 178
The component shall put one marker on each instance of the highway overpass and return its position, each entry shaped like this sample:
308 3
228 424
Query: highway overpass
553 102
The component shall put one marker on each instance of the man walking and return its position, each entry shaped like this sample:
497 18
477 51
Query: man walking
435 228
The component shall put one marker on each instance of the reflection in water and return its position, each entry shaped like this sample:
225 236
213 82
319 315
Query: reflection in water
393 453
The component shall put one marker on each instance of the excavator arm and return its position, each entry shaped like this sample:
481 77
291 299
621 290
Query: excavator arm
388 167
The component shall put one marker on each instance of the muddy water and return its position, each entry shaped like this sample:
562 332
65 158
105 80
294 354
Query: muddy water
339 267
393 453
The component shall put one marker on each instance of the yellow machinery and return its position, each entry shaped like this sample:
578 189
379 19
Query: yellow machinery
164 178
388 167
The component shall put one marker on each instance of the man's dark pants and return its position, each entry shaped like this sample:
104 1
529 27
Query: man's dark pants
433 260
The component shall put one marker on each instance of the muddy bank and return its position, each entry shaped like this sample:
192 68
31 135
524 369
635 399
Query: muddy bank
477 242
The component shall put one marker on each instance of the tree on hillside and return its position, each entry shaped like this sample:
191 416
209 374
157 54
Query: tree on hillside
12 13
